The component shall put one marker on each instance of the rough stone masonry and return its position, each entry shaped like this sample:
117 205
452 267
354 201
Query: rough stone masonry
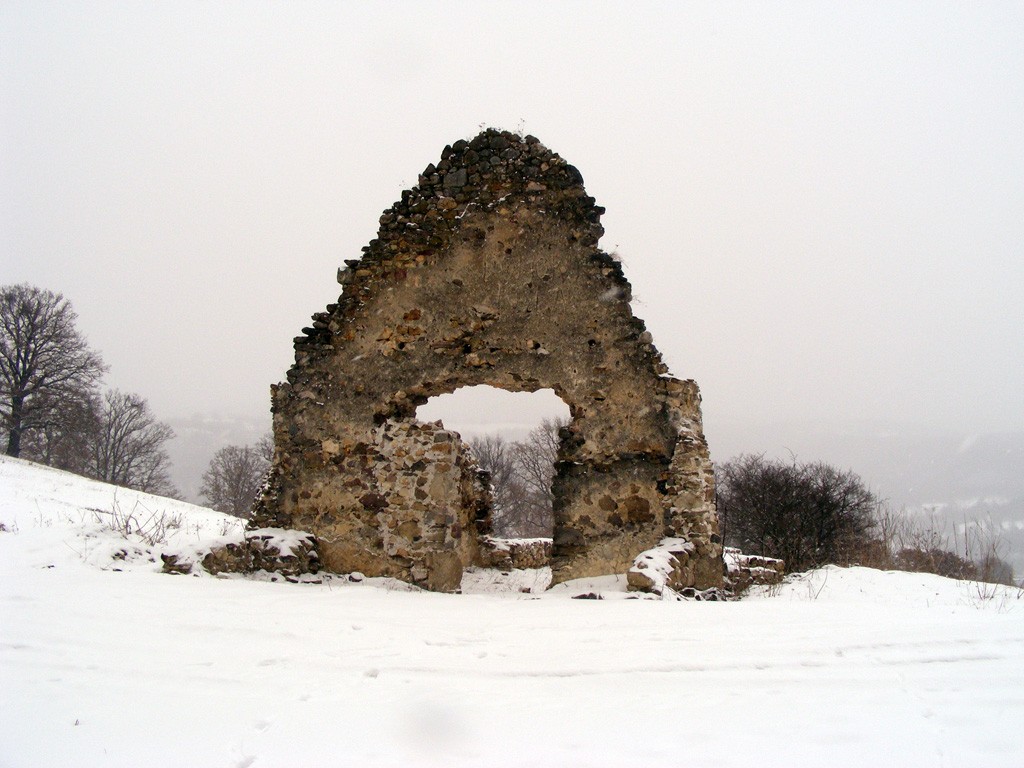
486 272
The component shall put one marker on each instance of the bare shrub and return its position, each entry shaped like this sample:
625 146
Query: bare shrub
935 560
805 514
972 550
149 525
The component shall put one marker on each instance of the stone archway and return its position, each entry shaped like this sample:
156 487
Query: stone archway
486 272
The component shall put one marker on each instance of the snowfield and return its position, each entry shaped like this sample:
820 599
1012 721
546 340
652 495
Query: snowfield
105 661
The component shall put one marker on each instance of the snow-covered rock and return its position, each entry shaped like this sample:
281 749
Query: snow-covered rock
292 554
663 568
744 571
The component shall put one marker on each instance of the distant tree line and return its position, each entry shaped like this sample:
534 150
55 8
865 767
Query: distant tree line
52 409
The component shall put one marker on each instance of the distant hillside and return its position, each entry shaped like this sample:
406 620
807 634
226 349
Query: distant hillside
198 437
948 476
909 466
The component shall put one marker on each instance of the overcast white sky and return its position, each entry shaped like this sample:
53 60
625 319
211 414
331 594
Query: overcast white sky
820 205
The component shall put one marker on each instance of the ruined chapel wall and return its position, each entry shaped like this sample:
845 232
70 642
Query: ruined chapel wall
488 273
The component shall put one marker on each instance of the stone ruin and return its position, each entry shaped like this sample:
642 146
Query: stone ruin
487 272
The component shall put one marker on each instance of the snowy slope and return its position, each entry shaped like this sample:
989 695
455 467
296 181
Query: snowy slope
106 661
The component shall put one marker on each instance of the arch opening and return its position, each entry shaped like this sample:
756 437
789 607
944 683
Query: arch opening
514 437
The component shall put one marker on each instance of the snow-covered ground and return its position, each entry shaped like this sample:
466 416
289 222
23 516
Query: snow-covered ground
105 661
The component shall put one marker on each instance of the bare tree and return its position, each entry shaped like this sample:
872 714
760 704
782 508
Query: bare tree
128 446
265 447
45 363
535 465
521 475
234 477
66 443
495 455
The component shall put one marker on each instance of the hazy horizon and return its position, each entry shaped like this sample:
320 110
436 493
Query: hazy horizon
818 206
